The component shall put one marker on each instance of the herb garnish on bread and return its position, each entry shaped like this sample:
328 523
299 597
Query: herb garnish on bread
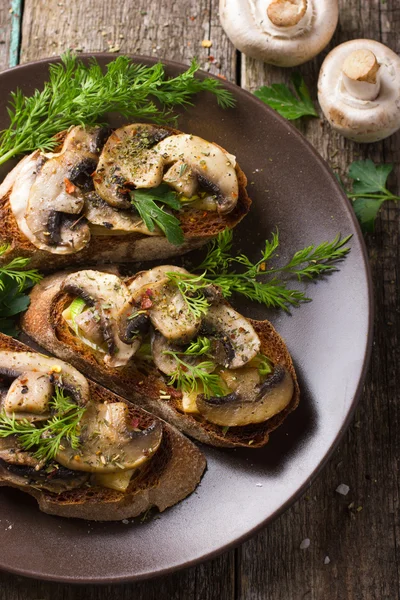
81 450
120 196
190 359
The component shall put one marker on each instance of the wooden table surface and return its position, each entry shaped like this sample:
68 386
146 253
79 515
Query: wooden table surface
362 540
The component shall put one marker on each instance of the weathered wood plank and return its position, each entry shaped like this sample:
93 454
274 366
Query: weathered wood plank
209 581
172 30
362 546
6 18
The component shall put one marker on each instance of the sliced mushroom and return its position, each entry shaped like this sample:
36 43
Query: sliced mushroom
250 401
182 178
165 362
146 278
167 310
235 341
213 168
156 299
15 364
284 33
28 396
24 466
107 294
359 90
132 158
124 154
109 442
55 201
104 219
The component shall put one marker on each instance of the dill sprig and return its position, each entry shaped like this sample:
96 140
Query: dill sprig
252 281
46 437
80 94
191 377
191 287
14 281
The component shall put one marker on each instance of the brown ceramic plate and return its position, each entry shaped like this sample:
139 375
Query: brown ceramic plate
329 338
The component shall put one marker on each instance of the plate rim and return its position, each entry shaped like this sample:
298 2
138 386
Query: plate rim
235 89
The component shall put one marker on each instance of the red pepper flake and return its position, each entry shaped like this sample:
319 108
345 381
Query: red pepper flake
211 58
221 76
69 186
192 18
149 292
135 423
146 303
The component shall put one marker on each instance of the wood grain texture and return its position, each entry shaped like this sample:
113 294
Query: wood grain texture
6 18
362 544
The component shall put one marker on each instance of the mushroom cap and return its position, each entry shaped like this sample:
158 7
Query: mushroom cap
361 120
248 27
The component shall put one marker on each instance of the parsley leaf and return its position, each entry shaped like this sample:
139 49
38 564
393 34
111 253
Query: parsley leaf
144 200
289 105
366 210
14 282
368 177
369 191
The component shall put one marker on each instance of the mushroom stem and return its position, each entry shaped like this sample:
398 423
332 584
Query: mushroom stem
286 13
361 75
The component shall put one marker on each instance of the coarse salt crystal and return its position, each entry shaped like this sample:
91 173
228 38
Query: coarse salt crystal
342 489
327 560
305 544
125 521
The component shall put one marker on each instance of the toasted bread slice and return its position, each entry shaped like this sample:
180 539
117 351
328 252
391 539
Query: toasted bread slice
172 474
138 383
198 227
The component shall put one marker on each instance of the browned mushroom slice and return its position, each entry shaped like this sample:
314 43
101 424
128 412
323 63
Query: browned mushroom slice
30 471
55 198
250 401
127 152
165 362
213 168
107 294
109 443
105 219
157 299
15 364
235 341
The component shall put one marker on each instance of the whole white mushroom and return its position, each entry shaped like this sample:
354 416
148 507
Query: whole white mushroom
359 90
284 33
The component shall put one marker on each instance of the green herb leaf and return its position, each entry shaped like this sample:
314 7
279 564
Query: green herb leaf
82 94
45 438
191 287
368 177
252 281
144 200
14 281
366 210
188 377
289 105
369 191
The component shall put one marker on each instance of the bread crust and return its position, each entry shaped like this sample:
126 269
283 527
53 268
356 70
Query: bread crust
172 474
132 247
44 324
